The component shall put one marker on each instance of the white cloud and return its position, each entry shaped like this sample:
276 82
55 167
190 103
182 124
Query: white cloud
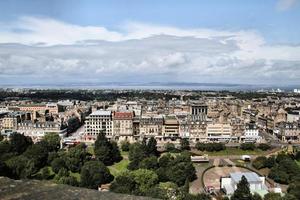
283 5
140 52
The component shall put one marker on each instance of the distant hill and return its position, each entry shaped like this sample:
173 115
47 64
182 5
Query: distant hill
46 190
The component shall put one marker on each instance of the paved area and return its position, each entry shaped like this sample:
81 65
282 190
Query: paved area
216 162
212 176
229 162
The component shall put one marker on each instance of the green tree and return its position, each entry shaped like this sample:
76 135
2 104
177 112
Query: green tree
242 191
294 189
105 151
124 183
256 196
247 146
21 167
57 164
45 173
264 147
125 146
152 147
145 179
38 154
272 196
259 162
19 143
51 141
137 153
169 147
184 144
149 163
200 146
93 174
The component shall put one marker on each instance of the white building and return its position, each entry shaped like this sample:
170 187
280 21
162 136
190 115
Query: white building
251 133
97 122
256 183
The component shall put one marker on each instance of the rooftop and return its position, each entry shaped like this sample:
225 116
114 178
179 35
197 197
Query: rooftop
100 112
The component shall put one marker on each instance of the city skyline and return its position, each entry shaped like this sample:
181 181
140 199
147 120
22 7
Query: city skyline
63 42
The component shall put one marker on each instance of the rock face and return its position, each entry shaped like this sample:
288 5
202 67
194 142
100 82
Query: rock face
46 190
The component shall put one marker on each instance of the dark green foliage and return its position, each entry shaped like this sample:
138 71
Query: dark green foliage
73 124
259 162
152 147
51 141
38 154
75 157
247 146
115 152
149 163
243 190
272 196
94 173
19 143
4 170
51 157
125 146
270 162
297 156
45 173
210 146
5 151
105 151
170 147
137 153
256 196
184 144
176 169
21 167
264 147
124 184
294 189
57 164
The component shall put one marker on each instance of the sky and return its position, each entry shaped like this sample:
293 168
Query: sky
202 41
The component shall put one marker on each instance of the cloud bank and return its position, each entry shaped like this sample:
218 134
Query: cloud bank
42 50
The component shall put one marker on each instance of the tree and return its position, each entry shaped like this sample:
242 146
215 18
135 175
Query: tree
105 151
124 183
200 146
45 173
149 163
184 144
38 154
272 196
264 147
294 189
73 124
115 152
94 173
137 153
21 167
259 162
201 196
4 170
170 147
242 191
256 196
51 141
125 146
145 179
247 146
19 143
57 164
152 147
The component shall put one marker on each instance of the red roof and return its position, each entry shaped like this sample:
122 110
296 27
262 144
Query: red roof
123 115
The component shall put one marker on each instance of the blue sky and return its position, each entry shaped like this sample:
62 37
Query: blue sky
259 38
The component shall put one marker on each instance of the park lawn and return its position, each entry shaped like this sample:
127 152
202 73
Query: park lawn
119 167
234 151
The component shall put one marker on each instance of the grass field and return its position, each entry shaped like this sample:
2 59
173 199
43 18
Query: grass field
119 167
